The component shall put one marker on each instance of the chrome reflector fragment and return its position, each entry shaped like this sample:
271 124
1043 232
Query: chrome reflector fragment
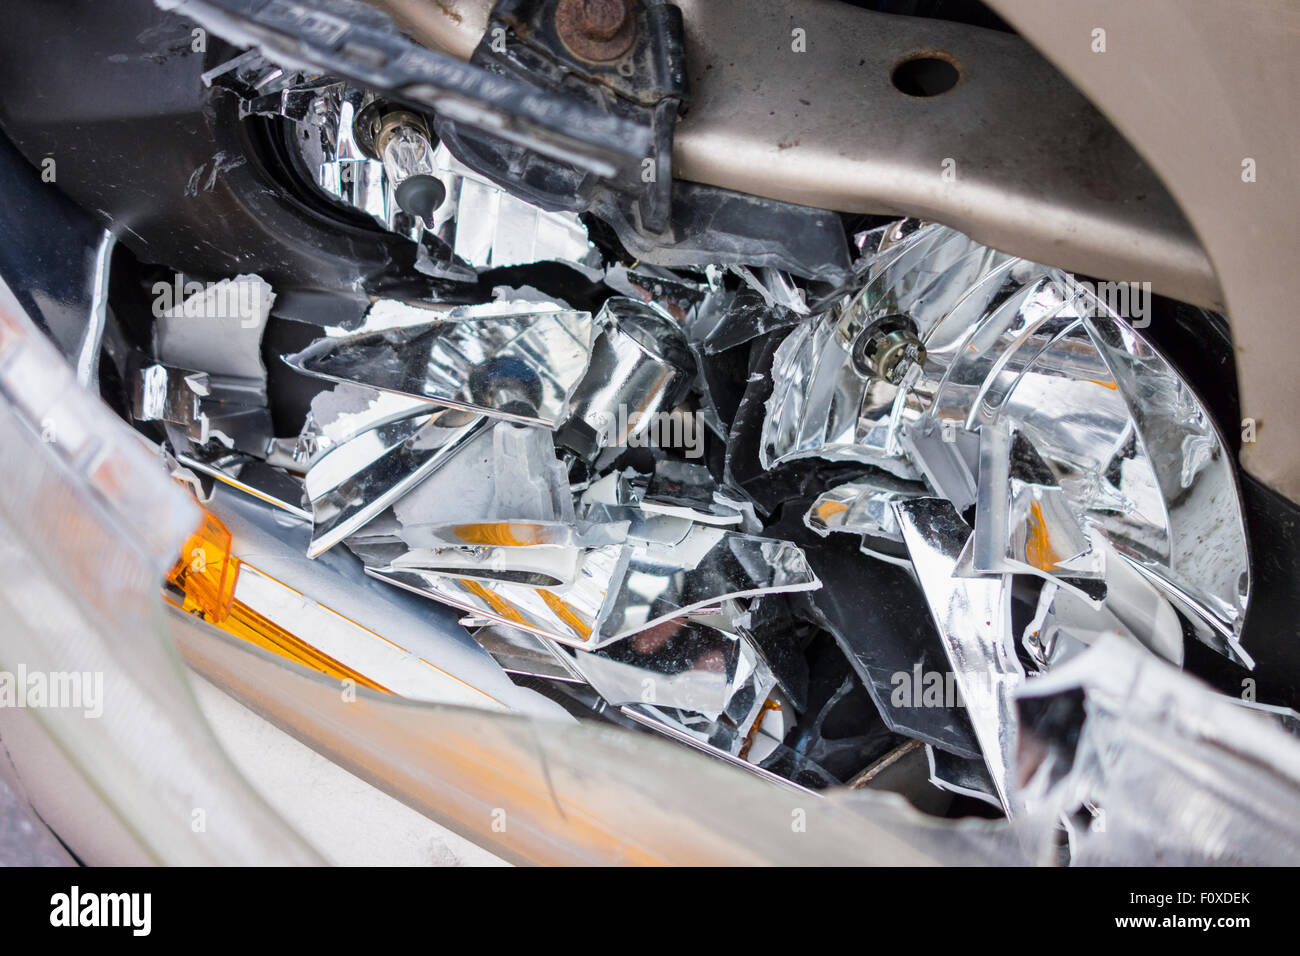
974 621
1030 392
1155 766
518 361
356 480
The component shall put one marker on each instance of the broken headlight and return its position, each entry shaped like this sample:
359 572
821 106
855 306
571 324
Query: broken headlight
842 508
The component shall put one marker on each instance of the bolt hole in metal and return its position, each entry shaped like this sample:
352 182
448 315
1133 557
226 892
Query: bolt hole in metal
925 75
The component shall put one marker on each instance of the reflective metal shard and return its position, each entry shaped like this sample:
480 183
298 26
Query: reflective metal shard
640 368
973 616
517 361
356 480
863 507
1110 444
1171 770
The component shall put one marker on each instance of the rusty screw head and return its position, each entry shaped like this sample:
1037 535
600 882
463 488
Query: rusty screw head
601 19
597 30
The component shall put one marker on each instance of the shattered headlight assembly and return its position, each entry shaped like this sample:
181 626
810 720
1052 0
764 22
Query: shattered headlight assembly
93 526
1012 428
734 518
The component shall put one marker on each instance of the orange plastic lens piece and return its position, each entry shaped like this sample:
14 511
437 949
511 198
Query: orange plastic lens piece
206 575
829 509
1038 549
256 629
206 572
513 533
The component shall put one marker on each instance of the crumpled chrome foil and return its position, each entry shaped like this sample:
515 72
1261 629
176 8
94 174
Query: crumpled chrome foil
622 521
973 616
1145 764
208 383
640 368
864 507
1121 452
357 479
518 361
489 228
685 490
478 224
680 664
618 590
822 405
